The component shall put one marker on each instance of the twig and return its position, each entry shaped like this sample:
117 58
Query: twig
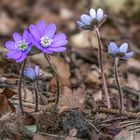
131 115
118 84
105 88
52 135
57 79
19 86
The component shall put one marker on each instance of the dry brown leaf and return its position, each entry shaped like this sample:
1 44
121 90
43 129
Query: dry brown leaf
127 135
61 67
71 99
39 137
8 93
5 105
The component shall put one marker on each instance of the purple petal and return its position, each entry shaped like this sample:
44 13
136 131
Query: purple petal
34 31
60 36
128 55
47 51
17 36
123 48
41 27
59 43
39 46
112 48
59 49
14 55
21 58
86 19
100 14
10 45
50 30
92 13
25 35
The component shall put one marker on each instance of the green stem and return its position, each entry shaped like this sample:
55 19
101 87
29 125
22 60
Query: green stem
118 83
105 88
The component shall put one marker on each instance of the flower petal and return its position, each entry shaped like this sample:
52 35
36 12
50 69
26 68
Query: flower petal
14 55
92 13
34 31
123 48
100 14
50 30
30 73
17 36
47 51
112 48
59 43
86 19
80 23
41 27
10 45
128 55
59 49
60 36
21 58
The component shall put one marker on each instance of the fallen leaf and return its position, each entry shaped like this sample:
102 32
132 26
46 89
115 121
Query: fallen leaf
127 135
5 105
39 137
71 99
8 92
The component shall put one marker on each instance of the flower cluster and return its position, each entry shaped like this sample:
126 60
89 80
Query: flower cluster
88 21
96 18
41 36
121 51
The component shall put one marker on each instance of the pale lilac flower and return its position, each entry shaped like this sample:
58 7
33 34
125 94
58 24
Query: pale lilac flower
46 39
121 51
20 47
32 73
88 21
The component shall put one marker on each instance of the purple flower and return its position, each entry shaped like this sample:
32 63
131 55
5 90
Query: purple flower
121 51
32 73
20 47
88 21
45 38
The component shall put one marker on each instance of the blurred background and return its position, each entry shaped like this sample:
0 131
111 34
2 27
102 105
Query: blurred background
122 25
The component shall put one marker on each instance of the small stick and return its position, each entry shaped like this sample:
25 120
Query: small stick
105 88
131 115
57 79
19 86
118 83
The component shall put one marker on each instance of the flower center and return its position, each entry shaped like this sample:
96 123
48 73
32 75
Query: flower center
45 41
22 45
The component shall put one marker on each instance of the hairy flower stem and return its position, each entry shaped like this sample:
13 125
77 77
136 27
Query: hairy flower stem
36 97
57 79
118 83
105 88
19 86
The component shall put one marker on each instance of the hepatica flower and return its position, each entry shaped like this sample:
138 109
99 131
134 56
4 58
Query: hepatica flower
45 38
88 21
20 47
32 73
121 51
